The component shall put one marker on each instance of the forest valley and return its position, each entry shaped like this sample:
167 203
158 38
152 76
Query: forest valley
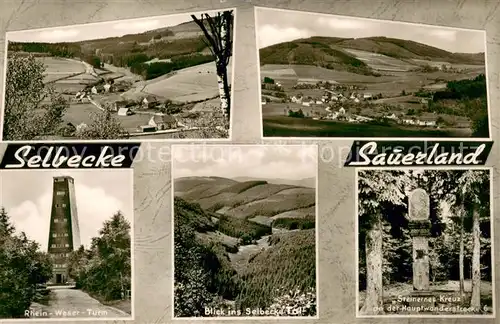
103 271
278 279
460 258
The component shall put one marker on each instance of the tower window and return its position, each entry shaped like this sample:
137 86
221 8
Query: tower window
56 220
66 245
60 193
65 234
64 205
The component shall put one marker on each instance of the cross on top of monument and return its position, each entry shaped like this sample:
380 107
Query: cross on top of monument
419 204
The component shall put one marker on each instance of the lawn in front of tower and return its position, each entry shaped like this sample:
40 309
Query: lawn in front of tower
446 289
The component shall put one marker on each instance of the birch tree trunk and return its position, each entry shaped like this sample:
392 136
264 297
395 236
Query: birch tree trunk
222 79
461 255
476 260
374 302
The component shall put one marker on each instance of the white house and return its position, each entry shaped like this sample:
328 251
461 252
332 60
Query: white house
319 102
107 87
94 90
263 102
367 96
392 116
356 100
363 118
163 122
124 112
149 100
342 111
306 104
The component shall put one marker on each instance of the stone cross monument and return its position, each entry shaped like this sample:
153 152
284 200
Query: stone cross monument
419 212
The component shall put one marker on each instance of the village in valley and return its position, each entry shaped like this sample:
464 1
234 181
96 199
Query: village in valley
327 101
160 83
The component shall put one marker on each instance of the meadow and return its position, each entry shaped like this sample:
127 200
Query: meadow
281 126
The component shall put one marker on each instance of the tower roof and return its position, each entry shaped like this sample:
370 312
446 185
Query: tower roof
63 177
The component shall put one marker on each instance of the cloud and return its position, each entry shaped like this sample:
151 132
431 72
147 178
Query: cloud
445 34
94 206
54 35
270 35
341 23
277 161
137 26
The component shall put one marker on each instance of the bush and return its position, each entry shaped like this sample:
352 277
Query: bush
295 302
296 114
268 80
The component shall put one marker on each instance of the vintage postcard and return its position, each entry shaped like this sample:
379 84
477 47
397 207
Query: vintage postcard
66 245
245 231
425 243
335 76
165 77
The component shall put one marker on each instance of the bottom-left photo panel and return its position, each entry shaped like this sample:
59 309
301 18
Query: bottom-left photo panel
66 244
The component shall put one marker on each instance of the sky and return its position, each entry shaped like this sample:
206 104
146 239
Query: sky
277 26
27 198
78 33
231 161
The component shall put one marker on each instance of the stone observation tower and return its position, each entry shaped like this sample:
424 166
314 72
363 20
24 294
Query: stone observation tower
64 231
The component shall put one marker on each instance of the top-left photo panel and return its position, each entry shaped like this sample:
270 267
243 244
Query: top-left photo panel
156 78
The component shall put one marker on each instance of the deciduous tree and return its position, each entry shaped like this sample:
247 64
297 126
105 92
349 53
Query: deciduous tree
32 108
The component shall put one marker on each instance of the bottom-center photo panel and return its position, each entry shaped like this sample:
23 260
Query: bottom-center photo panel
245 240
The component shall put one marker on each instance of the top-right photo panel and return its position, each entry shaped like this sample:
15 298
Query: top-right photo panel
325 76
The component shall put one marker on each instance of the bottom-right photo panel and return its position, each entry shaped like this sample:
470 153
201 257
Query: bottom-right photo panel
424 242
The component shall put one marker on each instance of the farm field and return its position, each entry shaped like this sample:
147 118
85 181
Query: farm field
60 68
190 84
281 126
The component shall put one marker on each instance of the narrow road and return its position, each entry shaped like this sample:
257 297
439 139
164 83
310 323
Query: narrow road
65 302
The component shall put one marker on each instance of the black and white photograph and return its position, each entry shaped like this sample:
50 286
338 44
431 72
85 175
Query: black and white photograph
425 243
245 231
166 77
65 245
338 76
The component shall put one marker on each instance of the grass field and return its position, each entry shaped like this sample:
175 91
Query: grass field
381 62
57 68
281 126
190 84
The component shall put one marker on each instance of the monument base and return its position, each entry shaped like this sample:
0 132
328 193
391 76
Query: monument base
422 299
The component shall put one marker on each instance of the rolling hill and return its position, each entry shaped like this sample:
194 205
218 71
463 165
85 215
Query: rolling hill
337 53
249 199
233 263
149 54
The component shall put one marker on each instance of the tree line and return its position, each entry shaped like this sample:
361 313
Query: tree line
23 266
104 269
280 277
34 110
460 242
